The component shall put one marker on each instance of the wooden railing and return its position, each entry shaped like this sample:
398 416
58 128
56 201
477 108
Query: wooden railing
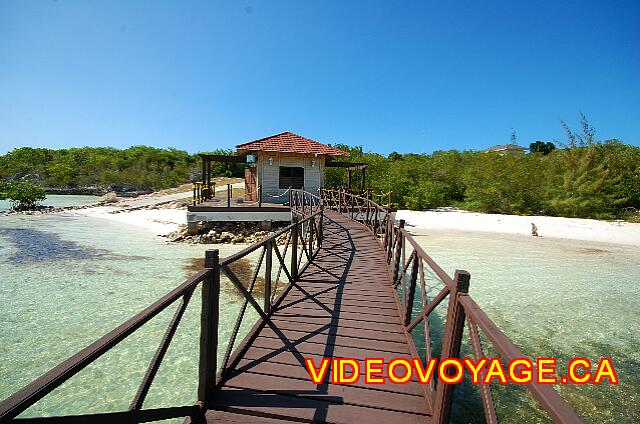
408 275
283 256
304 203
203 192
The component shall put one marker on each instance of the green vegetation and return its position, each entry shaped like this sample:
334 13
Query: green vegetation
586 178
22 194
137 168
542 147
583 178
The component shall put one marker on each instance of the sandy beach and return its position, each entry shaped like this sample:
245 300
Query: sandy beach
616 232
162 221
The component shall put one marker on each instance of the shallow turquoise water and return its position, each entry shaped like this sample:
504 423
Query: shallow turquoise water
556 298
59 201
66 280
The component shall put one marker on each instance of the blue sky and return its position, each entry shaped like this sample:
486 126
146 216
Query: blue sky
404 76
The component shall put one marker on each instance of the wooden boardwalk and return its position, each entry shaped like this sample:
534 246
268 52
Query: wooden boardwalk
342 306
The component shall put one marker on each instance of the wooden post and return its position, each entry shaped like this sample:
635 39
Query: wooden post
294 248
204 170
320 223
375 221
352 204
398 252
451 342
303 194
208 173
312 225
209 319
267 276
260 196
366 216
228 195
412 289
194 194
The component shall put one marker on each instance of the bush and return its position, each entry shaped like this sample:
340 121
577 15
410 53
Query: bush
23 195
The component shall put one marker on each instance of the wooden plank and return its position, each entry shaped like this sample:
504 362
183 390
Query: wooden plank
340 309
277 348
300 372
343 315
336 393
339 330
216 417
331 298
350 287
258 354
317 410
327 337
380 326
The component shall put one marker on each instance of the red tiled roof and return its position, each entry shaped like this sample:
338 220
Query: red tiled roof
290 142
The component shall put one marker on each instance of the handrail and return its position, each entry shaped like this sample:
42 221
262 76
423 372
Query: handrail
406 273
545 394
40 387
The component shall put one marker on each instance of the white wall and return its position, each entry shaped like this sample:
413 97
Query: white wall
269 175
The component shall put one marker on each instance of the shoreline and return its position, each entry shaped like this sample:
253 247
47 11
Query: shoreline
549 227
164 220
163 215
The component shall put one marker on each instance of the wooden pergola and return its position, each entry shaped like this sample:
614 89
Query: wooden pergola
242 158
350 167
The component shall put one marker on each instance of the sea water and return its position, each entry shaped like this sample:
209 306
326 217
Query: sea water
553 298
58 201
67 279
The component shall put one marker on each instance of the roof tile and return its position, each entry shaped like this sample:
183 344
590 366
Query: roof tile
290 142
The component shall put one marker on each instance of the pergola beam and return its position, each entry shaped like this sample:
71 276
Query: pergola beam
351 166
224 158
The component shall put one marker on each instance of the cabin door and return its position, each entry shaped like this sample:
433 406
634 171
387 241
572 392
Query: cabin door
250 184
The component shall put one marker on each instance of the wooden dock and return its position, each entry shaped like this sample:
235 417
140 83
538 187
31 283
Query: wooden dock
355 287
342 306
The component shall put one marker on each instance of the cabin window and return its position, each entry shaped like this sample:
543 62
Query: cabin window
291 177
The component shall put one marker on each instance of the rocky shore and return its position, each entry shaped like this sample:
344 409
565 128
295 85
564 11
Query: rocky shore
49 209
96 191
225 232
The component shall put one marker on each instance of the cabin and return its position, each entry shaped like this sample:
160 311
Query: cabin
285 161
274 165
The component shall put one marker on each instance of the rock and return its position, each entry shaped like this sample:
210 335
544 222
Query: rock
110 197
226 236
238 239
265 225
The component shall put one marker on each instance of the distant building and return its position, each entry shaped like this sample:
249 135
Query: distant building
506 149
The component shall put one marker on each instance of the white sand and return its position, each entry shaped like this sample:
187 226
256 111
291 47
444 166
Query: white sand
158 221
550 227
164 221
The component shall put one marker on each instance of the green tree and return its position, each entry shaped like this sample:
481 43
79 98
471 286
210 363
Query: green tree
542 147
23 195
